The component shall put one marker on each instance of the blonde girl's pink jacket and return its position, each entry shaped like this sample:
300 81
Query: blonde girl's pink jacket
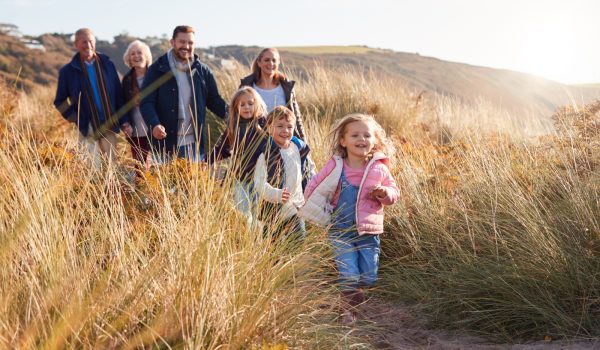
323 190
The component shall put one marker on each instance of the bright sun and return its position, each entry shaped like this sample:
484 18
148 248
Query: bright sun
553 47
550 52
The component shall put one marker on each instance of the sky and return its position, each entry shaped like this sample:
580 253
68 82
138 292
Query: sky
554 39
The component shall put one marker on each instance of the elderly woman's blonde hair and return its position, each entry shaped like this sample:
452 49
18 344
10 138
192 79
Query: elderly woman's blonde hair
145 51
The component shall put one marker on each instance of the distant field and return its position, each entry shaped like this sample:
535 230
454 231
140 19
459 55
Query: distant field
591 86
328 49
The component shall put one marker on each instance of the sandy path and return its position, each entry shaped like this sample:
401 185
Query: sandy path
390 326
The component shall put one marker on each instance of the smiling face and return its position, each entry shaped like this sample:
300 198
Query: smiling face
85 43
281 131
247 106
268 62
137 58
183 46
358 140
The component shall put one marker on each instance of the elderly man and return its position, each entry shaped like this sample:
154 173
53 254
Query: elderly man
89 94
178 88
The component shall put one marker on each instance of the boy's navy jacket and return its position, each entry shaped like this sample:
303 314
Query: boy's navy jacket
160 101
71 85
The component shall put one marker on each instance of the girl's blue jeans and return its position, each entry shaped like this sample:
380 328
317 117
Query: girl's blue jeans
356 257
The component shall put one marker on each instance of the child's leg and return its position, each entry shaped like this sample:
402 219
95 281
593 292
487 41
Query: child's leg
290 228
346 260
243 200
368 249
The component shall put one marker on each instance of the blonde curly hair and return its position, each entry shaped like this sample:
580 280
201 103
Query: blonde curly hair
382 144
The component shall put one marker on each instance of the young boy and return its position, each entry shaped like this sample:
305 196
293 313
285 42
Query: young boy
282 171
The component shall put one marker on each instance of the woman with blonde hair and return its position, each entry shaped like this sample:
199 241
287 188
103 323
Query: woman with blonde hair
273 86
138 57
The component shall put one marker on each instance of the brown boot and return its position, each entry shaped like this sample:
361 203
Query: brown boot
348 307
348 299
348 318
358 298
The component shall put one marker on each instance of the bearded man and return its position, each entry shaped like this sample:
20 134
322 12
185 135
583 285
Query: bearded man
177 90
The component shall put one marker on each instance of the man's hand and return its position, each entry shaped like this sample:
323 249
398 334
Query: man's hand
159 132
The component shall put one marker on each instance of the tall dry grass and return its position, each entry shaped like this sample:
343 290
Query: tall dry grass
501 235
499 226
89 261
498 231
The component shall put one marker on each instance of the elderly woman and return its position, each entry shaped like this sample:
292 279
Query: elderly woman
273 86
138 58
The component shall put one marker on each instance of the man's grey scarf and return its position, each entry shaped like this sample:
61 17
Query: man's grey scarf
181 71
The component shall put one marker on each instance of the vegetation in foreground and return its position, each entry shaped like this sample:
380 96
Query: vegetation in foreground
498 232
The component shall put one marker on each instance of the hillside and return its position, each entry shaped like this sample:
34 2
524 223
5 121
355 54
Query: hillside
32 66
35 66
515 92
512 91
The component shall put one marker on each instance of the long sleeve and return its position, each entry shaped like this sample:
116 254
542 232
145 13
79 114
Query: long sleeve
389 185
262 186
129 102
120 109
311 170
214 101
150 96
221 150
317 179
62 101
299 122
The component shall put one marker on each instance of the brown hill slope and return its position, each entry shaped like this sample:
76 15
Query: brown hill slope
515 92
32 66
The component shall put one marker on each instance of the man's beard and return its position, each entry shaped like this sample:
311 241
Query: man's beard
186 57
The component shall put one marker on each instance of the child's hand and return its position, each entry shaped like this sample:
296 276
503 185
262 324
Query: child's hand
378 192
285 195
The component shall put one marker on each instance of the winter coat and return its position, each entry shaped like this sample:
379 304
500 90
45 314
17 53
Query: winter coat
128 97
72 102
160 105
322 193
246 152
275 171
